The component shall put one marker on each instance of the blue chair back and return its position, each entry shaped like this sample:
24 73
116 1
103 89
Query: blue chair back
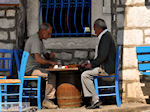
17 54
6 60
21 72
143 56
26 89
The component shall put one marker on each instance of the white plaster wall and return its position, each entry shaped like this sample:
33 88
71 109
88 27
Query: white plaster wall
97 12
32 16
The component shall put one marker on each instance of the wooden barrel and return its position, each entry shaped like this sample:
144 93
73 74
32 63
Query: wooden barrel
69 89
68 96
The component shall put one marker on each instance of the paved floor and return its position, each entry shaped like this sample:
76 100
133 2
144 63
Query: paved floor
129 107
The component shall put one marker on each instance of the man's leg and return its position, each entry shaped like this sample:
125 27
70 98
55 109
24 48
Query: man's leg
50 83
37 72
88 85
50 87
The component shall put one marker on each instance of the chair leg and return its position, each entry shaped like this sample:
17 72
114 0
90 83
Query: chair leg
0 99
5 97
20 98
39 93
25 92
118 99
96 85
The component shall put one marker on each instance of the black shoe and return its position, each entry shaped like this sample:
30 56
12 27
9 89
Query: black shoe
94 106
86 101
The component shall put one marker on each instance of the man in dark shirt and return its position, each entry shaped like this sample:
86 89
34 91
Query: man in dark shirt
102 64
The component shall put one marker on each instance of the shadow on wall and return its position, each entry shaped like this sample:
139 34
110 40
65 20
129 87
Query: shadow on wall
117 23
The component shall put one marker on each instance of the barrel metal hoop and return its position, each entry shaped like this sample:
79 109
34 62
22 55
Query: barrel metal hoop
70 103
69 106
71 97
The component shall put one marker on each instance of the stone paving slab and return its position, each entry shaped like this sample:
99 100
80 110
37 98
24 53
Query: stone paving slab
14 107
128 107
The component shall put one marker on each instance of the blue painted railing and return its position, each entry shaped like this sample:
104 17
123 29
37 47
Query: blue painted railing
69 18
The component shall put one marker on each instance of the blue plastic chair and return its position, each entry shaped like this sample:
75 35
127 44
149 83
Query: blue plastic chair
143 56
28 91
110 87
17 82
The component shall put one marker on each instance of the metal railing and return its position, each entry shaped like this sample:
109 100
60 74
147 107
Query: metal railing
69 18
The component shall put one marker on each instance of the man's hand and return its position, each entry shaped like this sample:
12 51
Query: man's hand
88 66
52 63
51 55
84 64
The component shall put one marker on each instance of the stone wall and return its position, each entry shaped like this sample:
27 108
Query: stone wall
73 56
12 25
73 51
7 26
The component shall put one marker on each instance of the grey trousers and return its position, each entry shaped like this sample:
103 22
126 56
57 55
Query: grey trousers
87 78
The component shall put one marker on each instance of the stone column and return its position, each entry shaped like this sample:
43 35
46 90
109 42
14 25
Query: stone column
136 33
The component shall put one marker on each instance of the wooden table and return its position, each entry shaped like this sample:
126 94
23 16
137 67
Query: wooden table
62 69
68 87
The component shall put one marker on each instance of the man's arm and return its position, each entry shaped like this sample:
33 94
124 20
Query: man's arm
49 56
40 60
103 52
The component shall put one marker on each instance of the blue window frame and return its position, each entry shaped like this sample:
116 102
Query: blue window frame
69 18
